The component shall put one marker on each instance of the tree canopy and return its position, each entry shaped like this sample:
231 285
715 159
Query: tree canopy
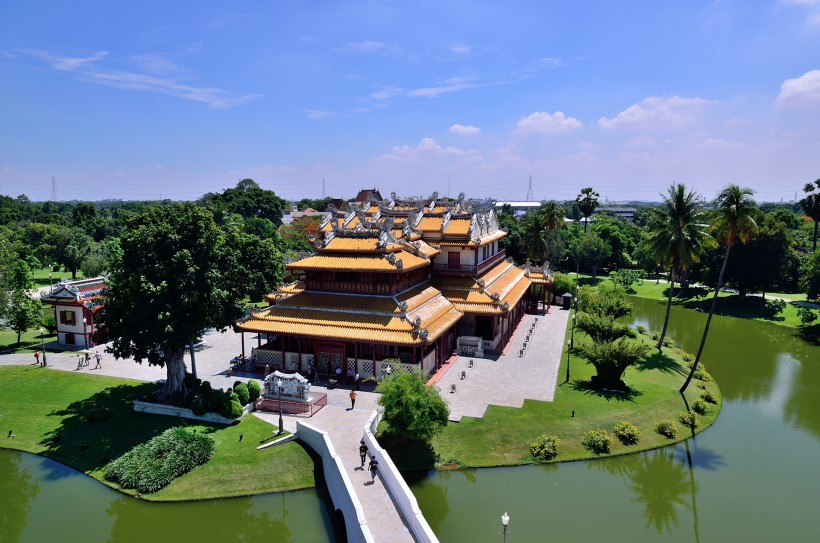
178 273
412 409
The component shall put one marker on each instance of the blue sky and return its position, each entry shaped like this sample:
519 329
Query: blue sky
148 99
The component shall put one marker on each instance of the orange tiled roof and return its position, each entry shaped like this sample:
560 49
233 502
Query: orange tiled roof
430 224
350 320
483 240
358 245
358 263
466 293
458 227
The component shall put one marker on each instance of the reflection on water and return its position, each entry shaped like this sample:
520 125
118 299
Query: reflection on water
751 477
41 500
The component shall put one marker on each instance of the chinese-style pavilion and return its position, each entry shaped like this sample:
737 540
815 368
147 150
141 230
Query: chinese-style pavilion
394 285
75 303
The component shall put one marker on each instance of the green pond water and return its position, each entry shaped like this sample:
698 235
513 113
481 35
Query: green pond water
754 476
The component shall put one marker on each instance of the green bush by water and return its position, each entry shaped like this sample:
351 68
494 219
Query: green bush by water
151 466
666 428
545 448
627 432
597 441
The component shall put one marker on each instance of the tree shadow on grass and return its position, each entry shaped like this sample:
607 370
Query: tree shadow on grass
408 454
661 362
97 429
751 307
628 395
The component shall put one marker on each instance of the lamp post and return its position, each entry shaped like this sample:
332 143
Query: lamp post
85 333
572 334
42 345
505 520
569 346
279 388
50 282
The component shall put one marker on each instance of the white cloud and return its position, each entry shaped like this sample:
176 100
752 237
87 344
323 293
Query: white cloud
718 143
156 64
803 91
427 147
657 112
813 19
387 93
453 84
541 123
87 69
460 49
368 46
464 130
318 114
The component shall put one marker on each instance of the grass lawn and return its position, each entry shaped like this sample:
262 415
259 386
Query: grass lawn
503 436
29 341
41 278
84 421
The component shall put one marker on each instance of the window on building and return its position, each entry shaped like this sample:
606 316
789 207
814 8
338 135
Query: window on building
67 317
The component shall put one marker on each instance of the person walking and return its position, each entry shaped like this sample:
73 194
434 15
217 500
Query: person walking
362 452
373 467
353 399
87 358
98 358
37 357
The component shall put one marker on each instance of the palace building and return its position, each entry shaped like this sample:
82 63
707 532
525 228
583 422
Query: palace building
395 285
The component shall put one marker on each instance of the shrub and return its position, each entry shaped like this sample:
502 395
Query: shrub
701 375
642 329
241 391
192 382
687 418
217 400
199 406
231 410
776 306
627 432
597 441
666 428
205 389
233 396
254 390
700 407
655 335
151 466
545 448
562 283
708 397
668 342
688 358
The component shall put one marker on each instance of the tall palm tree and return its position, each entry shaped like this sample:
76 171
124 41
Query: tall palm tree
811 205
734 221
587 202
552 216
534 237
678 236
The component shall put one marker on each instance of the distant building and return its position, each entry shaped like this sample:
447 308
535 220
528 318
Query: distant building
626 213
366 195
75 303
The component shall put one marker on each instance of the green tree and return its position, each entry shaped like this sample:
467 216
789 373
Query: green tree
23 312
71 246
552 216
810 276
734 221
587 202
534 237
247 199
611 360
811 205
678 237
607 299
412 410
178 274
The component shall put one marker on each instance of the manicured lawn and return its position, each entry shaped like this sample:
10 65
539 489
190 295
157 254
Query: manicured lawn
503 436
84 421
41 278
29 341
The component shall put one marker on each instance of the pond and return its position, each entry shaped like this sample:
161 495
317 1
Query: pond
42 500
752 477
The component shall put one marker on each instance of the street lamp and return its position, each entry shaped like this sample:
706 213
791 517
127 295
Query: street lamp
572 336
569 346
279 387
42 345
85 333
50 282
505 520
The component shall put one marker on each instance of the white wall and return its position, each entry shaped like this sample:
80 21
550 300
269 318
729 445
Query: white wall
338 483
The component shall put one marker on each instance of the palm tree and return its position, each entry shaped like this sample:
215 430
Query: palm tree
678 236
811 205
534 244
587 202
734 222
552 216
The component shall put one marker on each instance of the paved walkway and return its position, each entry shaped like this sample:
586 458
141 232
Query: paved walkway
508 379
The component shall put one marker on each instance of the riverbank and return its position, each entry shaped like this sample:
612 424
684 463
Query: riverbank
502 437
84 421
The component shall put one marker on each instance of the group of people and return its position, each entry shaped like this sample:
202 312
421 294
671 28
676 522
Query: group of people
373 466
84 359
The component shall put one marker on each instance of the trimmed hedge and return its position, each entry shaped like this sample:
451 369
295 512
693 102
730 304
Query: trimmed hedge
151 466
627 432
242 392
597 441
666 428
254 390
545 448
